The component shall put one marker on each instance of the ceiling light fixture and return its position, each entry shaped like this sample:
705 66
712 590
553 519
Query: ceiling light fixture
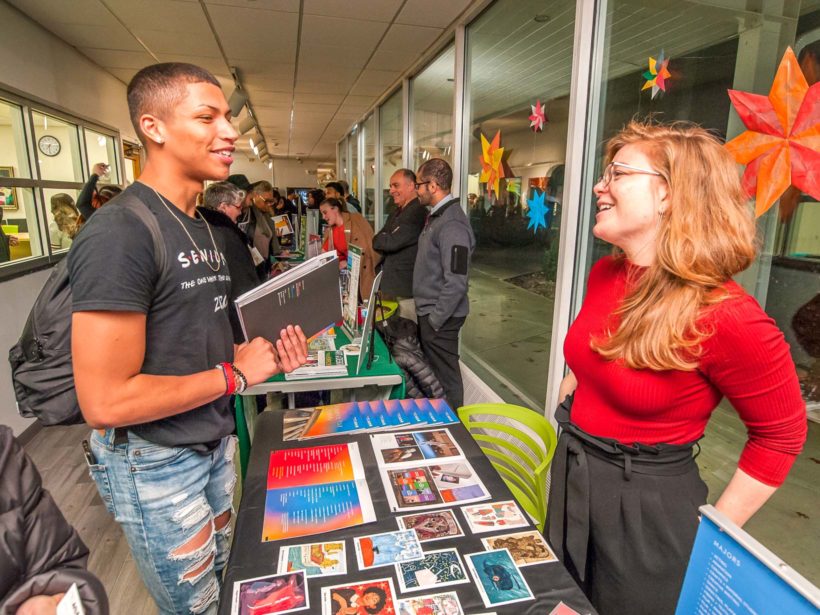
247 124
237 100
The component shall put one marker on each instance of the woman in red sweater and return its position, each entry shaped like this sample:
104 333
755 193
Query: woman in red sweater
662 336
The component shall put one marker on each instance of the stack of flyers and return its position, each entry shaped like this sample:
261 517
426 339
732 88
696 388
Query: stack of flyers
437 569
497 578
422 470
375 597
314 490
494 516
432 525
526 548
320 559
321 364
443 604
387 549
276 593
354 417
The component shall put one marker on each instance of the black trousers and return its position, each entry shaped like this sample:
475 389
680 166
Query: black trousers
441 349
624 529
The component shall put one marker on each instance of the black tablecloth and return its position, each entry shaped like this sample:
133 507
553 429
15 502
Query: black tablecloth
250 557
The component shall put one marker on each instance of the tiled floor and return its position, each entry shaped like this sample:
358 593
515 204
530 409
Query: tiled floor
506 342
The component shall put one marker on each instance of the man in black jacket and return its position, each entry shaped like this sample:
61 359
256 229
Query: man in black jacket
398 241
223 205
41 555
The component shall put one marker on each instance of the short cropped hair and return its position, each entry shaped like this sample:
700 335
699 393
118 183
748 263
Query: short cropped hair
222 192
439 171
261 187
158 88
406 174
346 186
337 186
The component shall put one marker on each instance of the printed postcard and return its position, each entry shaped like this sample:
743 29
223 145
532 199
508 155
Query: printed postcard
320 559
494 516
433 525
367 597
498 579
437 569
275 593
433 604
387 549
526 548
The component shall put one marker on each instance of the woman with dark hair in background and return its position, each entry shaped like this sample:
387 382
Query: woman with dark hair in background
315 198
344 228
91 198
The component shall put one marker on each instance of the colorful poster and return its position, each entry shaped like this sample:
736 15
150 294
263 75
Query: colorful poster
320 559
437 569
430 486
414 446
375 597
526 548
276 593
315 490
497 578
433 525
387 549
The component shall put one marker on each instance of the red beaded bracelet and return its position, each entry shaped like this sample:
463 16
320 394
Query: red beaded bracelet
230 379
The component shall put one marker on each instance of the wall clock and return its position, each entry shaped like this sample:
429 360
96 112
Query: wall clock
49 145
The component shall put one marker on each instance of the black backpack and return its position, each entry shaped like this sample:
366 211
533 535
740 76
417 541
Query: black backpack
41 367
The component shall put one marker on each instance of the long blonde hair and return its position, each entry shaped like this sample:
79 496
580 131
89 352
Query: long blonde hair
706 235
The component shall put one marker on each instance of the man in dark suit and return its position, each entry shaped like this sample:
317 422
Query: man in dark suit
398 241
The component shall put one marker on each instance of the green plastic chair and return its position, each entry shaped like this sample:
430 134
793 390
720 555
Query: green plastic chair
520 444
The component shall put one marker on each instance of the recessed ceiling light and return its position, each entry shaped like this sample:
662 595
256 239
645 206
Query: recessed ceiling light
542 18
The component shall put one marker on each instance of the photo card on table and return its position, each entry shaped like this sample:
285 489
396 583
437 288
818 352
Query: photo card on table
273 593
319 559
421 487
527 548
497 578
375 597
438 569
432 525
493 516
445 603
387 549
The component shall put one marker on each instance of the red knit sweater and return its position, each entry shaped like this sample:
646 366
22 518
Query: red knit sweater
746 359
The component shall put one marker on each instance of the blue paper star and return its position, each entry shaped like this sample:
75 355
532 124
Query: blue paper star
538 211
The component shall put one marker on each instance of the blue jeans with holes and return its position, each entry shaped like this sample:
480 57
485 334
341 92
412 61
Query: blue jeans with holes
164 497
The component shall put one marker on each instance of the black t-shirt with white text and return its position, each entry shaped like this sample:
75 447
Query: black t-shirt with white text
112 268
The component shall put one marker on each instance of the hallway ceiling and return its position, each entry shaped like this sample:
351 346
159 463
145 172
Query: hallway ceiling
310 67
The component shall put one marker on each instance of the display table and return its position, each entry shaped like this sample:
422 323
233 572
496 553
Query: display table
384 373
250 557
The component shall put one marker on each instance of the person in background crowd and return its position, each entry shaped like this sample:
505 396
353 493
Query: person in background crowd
398 242
6 241
92 198
351 200
254 222
345 228
315 198
153 353
221 209
285 208
663 334
440 276
66 222
334 190
41 555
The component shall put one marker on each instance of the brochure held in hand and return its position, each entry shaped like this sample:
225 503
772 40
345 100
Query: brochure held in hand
307 295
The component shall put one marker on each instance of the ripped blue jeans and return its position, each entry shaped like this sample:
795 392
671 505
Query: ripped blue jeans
174 506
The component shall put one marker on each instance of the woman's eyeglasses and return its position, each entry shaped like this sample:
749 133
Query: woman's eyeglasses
609 172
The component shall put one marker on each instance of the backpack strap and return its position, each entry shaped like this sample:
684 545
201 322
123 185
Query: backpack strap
148 218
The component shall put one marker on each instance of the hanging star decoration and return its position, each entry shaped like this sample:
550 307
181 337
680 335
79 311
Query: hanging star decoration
538 117
492 167
514 185
781 147
657 74
538 211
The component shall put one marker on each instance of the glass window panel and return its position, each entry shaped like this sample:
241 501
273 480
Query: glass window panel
390 128
712 49
62 217
21 233
369 204
102 148
58 149
14 160
353 173
342 153
432 117
512 282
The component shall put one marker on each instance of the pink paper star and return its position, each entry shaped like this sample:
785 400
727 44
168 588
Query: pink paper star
538 117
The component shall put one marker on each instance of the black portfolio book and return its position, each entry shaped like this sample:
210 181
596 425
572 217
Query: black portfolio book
307 295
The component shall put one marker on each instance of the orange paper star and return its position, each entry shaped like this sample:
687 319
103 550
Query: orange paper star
782 144
492 167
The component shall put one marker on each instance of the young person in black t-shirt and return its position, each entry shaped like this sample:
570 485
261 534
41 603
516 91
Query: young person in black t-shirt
154 358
